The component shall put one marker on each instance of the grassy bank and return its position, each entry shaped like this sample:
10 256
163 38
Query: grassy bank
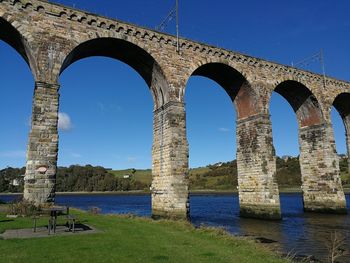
123 239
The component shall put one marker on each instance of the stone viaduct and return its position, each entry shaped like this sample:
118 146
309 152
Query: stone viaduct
50 37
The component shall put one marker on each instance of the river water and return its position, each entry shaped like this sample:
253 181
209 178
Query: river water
298 233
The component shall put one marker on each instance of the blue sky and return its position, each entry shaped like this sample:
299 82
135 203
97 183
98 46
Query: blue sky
108 108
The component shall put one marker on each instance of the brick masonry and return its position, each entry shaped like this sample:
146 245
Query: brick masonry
51 37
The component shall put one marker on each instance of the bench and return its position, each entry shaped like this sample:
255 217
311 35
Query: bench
53 213
71 220
35 219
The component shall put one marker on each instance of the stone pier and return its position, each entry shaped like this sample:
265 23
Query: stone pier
348 150
347 134
342 104
40 177
169 189
319 164
256 162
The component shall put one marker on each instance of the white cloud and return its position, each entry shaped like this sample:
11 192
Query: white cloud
64 122
13 154
224 129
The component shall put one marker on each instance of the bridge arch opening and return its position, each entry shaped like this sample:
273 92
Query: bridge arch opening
303 102
107 115
216 95
235 85
340 114
10 35
288 121
16 89
134 56
13 38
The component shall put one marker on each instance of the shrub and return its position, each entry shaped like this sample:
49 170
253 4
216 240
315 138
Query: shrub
23 208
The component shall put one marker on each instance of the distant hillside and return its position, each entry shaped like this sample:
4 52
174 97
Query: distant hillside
223 176
220 176
344 172
144 176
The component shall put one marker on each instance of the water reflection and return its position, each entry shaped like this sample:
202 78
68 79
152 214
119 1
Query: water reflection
319 230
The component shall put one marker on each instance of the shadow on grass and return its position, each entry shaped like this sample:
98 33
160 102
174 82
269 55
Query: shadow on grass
82 227
6 220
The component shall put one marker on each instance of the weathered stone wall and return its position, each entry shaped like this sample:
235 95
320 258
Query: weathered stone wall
50 37
341 104
348 149
170 162
256 163
40 177
347 134
319 163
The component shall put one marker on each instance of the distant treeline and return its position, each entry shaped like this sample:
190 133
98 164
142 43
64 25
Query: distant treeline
89 178
7 176
75 179
221 176
224 175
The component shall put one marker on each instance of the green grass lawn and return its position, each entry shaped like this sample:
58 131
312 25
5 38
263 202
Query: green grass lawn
143 176
124 239
199 170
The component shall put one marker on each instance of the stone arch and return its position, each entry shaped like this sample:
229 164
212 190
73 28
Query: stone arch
234 82
17 38
133 55
303 101
319 164
10 35
342 104
258 192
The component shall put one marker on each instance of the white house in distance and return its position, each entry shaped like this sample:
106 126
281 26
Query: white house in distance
17 181
14 182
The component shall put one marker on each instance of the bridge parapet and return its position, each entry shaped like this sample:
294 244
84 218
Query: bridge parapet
128 30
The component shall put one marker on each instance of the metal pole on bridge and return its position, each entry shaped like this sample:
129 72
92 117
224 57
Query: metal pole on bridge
177 27
323 68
